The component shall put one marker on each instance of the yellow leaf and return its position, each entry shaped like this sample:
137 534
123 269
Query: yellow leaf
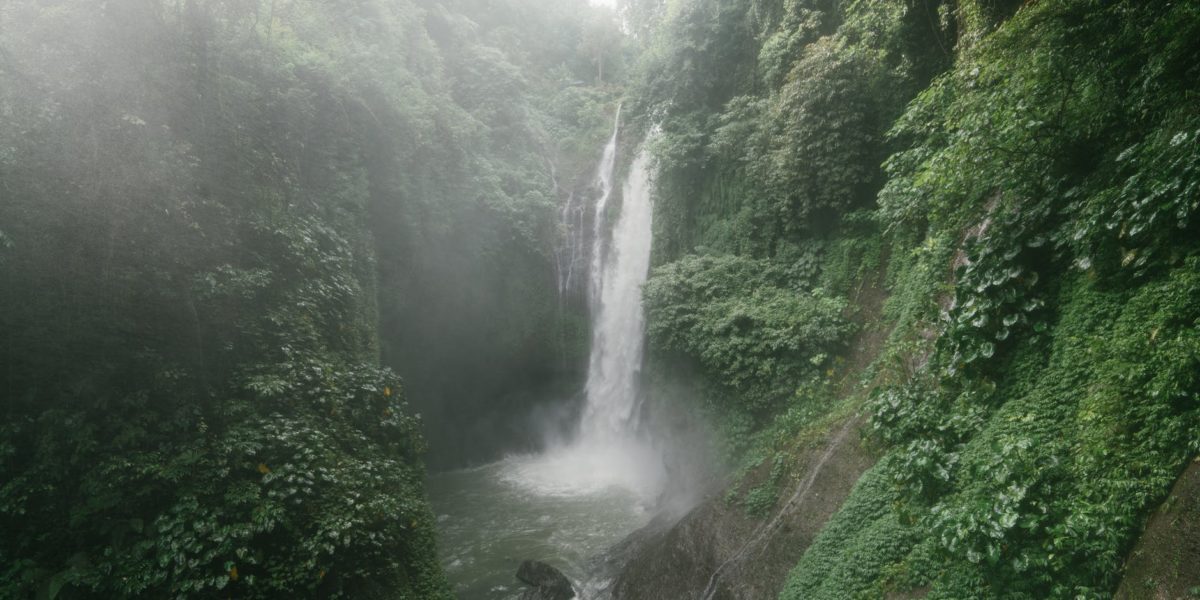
263 468
321 575
233 573
387 391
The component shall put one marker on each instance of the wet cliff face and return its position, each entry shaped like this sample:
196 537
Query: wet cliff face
717 551
1165 563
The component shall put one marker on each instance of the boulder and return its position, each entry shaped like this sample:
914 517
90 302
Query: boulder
547 583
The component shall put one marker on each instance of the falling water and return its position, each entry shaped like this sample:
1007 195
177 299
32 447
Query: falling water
569 256
604 180
580 496
608 450
574 255
617 319
617 271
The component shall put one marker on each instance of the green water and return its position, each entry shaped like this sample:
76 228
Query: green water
490 518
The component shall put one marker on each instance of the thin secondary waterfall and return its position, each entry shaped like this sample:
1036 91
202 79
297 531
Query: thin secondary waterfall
569 256
604 179
574 254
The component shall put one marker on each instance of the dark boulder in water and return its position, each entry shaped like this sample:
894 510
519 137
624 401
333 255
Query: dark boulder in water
547 582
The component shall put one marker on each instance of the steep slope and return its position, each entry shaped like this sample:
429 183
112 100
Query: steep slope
719 551
1162 564
1033 225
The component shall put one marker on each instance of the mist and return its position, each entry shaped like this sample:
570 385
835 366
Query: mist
599 299
263 257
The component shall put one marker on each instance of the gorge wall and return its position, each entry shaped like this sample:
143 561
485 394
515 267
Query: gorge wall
1017 184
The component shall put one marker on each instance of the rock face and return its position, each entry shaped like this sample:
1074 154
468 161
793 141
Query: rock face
1165 563
547 582
716 552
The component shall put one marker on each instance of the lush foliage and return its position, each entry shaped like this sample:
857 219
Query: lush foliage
768 156
763 175
471 174
213 213
738 318
1034 225
1051 415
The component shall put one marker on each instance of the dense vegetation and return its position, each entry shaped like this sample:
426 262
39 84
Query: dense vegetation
213 217
238 237
1021 181
739 318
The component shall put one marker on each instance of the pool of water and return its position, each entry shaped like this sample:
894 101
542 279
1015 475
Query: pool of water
562 508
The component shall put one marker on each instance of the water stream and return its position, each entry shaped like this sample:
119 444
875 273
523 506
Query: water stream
578 497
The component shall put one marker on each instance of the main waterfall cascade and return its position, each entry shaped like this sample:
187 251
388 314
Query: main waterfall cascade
618 323
608 449
587 490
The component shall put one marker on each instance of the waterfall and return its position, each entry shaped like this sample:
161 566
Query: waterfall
569 254
608 450
616 272
573 248
617 320
604 181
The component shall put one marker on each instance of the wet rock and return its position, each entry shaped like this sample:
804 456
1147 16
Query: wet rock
547 582
1164 562
718 552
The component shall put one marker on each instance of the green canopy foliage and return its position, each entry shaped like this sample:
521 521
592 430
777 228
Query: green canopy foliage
217 217
739 318
1021 179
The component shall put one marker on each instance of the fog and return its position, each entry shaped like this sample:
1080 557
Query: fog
256 242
